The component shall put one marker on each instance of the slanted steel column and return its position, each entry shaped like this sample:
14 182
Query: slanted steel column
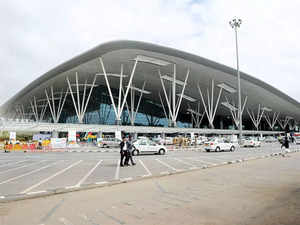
210 108
172 106
284 122
196 115
256 119
55 112
133 110
82 104
118 110
38 115
272 120
234 111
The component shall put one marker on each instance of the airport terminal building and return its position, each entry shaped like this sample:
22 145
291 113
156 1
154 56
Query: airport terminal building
130 83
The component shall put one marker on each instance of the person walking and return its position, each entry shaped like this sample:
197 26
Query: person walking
285 142
129 153
123 151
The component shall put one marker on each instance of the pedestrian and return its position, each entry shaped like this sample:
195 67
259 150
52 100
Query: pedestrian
123 151
285 142
129 153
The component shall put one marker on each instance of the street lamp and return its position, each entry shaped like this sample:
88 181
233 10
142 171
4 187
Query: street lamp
235 24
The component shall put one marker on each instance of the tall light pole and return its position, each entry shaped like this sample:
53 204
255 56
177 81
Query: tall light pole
235 24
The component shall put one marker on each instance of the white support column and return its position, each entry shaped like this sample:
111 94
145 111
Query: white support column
118 110
82 104
256 119
284 122
234 113
162 104
210 108
197 116
272 121
173 106
55 112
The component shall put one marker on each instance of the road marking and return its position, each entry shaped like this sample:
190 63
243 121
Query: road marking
145 167
51 177
71 187
186 163
22 167
165 164
126 179
205 162
88 174
164 173
101 182
65 221
117 174
13 163
26 174
35 192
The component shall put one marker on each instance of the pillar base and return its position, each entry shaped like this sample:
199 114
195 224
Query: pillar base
118 122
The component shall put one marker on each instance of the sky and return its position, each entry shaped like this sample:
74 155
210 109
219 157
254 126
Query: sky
37 36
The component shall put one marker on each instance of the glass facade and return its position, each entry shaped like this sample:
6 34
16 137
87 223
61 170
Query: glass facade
101 111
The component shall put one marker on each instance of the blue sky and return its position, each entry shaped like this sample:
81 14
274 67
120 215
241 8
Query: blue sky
39 35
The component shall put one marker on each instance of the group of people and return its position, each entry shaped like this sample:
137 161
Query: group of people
126 149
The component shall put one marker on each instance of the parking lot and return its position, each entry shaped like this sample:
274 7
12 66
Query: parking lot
31 173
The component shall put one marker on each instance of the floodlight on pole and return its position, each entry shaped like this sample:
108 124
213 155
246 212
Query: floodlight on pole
235 24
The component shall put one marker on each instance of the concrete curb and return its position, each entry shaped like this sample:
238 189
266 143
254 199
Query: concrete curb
45 193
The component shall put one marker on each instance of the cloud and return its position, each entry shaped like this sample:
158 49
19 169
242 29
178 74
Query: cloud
40 35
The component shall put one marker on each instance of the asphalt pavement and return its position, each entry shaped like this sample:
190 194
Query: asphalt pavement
33 173
264 192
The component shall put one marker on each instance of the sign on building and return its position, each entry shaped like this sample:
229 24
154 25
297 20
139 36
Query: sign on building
12 136
58 142
72 135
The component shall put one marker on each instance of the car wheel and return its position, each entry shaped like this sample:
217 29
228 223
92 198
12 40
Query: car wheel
232 148
207 150
135 152
218 149
161 151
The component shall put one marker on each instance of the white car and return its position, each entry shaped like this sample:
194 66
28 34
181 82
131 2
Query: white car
219 144
251 142
148 146
109 142
270 139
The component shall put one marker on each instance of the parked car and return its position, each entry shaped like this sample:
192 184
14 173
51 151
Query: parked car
109 142
200 140
251 142
270 139
219 144
148 146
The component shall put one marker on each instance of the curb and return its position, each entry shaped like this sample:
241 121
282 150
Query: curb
68 189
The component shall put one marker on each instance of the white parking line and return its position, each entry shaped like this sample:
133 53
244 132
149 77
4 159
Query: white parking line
88 174
186 163
205 162
26 174
51 177
117 174
145 167
12 169
12 163
165 164
35 192
101 182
